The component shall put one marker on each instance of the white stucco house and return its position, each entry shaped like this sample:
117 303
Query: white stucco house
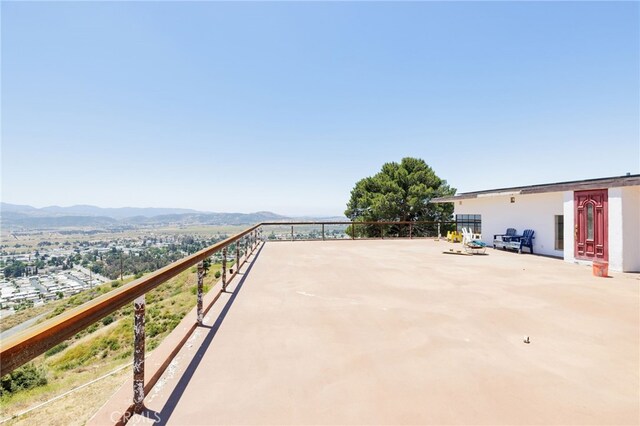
580 221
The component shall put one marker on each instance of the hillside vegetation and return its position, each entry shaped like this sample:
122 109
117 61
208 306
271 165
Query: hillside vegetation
103 346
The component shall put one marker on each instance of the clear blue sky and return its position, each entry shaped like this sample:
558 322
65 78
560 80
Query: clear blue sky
284 106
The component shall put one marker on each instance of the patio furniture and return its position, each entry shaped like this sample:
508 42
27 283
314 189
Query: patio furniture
472 245
502 240
517 242
454 236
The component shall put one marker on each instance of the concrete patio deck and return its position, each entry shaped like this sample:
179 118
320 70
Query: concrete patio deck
396 332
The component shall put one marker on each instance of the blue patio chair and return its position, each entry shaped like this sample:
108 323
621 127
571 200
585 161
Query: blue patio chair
517 242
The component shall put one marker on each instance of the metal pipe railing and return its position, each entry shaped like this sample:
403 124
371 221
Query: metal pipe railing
23 347
365 229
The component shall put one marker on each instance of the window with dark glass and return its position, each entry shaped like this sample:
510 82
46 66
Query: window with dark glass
559 221
472 221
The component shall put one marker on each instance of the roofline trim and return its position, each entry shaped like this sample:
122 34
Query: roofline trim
577 185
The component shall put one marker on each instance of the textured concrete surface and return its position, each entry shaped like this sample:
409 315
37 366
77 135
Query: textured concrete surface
396 332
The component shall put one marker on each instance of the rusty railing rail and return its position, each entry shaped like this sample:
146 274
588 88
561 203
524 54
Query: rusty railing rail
23 347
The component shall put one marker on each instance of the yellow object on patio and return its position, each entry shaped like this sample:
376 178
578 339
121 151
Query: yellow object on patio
454 236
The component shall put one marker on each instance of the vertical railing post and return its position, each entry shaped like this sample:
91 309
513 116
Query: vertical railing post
224 269
199 294
237 256
291 232
411 231
438 230
381 232
323 232
138 354
353 230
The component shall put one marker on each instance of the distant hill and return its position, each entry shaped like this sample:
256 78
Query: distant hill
86 210
13 215
22 220
209 218
16 208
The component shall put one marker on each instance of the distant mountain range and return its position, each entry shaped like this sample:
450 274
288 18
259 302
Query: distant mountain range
85 210
14 215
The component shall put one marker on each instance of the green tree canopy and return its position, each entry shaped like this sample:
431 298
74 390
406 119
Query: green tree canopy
400 192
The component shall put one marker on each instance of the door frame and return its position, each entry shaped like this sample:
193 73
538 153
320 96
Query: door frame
596 248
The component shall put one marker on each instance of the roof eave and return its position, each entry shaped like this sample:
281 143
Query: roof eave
612 182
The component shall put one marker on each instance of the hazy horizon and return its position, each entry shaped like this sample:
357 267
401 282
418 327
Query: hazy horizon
166 208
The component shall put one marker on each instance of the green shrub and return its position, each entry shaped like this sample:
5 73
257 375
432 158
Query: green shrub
26 377
107 320
126 354
152 312
153 329
205 289
56 311
58 348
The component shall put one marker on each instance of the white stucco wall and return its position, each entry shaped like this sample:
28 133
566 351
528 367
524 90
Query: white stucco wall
631 228
569 223
616 231
624 229
534 211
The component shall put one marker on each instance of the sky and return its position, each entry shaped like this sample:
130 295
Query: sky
284 106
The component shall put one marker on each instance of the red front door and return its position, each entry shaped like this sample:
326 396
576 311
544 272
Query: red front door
591 224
